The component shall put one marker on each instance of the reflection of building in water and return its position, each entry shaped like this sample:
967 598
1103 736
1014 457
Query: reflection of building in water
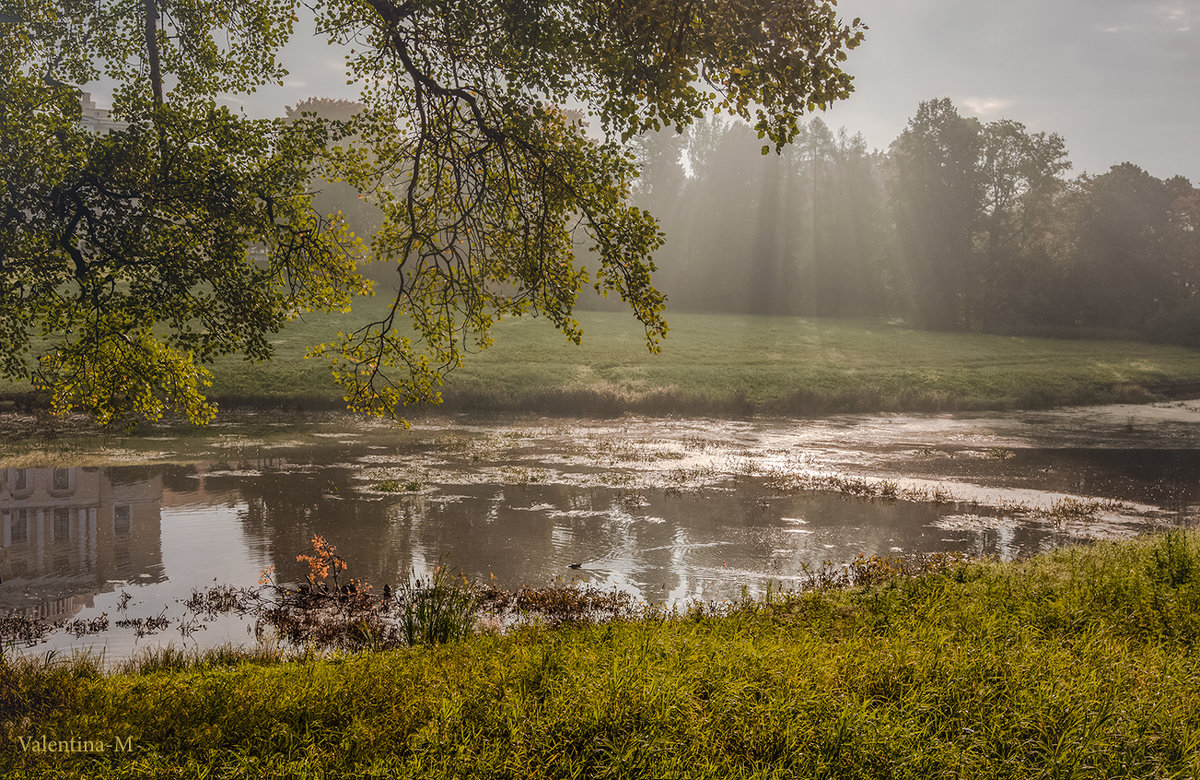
66 533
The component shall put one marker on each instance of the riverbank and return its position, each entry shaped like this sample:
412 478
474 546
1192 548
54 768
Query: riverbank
731 364
1078 662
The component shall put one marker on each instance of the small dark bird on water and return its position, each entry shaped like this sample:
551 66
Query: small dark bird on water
387 592
574 565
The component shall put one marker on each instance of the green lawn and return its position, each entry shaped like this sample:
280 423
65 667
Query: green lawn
732 363
1077 663
735 363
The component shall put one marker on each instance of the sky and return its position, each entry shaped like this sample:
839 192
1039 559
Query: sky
1118 79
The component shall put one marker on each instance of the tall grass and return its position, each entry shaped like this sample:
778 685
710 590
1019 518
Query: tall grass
1076 663
438 610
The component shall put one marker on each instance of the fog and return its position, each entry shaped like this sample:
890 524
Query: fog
957 225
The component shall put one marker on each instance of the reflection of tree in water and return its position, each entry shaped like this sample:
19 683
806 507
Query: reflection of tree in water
287 508
472 528
180 479
1154 476
660 540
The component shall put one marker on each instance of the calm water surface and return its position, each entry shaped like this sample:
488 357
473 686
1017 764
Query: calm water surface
670 509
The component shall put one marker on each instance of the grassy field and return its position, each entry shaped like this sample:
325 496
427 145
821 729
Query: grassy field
743 364
1077 663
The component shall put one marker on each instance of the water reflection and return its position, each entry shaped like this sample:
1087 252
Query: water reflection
670 510
67 534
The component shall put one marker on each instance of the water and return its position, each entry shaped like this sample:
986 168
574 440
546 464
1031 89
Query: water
669 509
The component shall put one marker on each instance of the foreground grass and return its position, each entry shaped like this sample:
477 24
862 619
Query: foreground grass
742 364
1078 663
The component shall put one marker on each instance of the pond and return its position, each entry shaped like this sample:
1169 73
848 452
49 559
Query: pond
667 509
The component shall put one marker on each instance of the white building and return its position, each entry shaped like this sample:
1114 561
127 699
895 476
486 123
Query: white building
97 120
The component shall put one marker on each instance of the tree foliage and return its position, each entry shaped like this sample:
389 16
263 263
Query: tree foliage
960 224
129 259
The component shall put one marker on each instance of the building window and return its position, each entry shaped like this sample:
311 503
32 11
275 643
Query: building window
121 520
62 524
62 479
20 526
22 479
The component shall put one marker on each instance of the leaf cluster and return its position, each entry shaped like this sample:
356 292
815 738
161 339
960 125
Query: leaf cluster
129 259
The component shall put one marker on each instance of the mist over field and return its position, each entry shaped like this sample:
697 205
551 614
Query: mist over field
958 225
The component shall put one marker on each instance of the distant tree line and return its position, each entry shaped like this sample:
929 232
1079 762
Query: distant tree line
959 225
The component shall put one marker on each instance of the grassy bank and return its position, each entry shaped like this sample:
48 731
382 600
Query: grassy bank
1078 663
739 364
744 364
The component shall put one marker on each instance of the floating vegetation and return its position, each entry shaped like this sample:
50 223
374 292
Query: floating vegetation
612 451
23 629
616 478
692 476
330 612
219 600
396 486
864 571
348 618
522 475
1059 509
81 628
573 603
1071 508
875 569
145 626
861 487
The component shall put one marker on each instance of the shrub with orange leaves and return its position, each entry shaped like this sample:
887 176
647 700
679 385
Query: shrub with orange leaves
323 561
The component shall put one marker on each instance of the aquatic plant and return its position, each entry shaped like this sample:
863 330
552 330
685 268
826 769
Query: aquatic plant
1072 508
145 626
80 628
522 475
557 605
436 610
21 628
848 484
396 486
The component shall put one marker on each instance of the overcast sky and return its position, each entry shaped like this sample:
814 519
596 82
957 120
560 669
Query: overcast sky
1118 79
